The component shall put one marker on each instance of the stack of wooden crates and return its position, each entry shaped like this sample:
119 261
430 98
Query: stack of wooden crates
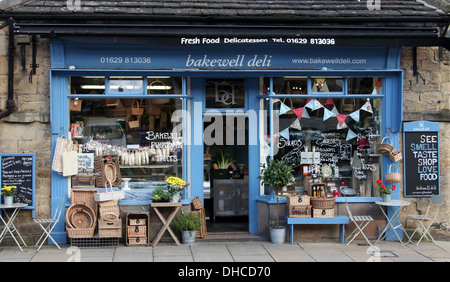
109 221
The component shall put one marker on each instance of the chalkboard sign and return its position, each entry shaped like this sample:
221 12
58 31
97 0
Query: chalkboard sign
421 158
19 170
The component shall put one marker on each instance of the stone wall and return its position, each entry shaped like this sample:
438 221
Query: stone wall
27 129
427 97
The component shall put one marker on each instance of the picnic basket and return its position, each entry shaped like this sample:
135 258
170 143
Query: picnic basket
384 147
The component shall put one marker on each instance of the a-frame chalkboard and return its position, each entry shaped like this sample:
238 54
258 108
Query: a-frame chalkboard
421 159
20 170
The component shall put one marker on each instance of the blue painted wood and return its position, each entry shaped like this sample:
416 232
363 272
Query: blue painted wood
337 219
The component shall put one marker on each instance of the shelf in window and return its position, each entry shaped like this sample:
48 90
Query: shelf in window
146 166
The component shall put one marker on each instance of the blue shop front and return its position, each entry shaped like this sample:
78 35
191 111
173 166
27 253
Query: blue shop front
211 110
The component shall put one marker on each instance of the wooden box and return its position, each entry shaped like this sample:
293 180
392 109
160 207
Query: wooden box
137 231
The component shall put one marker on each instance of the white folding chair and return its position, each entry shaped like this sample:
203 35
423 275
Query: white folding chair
434 202
47 224
360 221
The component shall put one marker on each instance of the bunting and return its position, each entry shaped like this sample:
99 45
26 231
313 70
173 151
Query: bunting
283 108
341 119
355 115
285 133
367 107
350 135
327 114
296 125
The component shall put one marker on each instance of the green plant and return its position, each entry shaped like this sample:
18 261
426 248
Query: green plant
383 189
223 160
160 195
187 222
276 174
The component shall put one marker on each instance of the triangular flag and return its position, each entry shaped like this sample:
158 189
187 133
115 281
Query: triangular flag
350 135
274 100
314 104
355 115
285 133
283 108
329 102
374 92
327 114
341 119
339 126
296 125
367 107
334 110
301 112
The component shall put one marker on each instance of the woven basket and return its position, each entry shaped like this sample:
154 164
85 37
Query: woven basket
158 100
323 213
385 148
297 200
80 232
109 195
80 216
322 203
303 211
393 177
135 110
395 155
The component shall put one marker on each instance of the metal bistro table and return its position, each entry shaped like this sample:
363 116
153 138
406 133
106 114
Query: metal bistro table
9 222
396 206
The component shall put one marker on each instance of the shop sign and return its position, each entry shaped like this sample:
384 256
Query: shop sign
421 158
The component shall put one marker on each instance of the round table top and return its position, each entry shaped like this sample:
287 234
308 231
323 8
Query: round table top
393 203
13 206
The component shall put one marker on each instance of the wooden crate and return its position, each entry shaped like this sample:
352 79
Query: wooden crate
323 213
300 211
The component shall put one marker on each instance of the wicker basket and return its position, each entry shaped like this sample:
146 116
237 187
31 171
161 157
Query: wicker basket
80 232
385 148
322 203
300 211
297 200
137 241
80 216
116 112
100 163
135 109
109 195
137 231
197 203
393 177
85 197
395 155
83 181
323 213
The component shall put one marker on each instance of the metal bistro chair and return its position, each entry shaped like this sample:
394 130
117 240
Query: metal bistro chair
47 224
434 201
360 221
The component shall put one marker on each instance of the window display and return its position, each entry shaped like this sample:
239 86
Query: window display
329 140
144 135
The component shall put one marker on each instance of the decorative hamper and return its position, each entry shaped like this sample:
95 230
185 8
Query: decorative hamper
295 200
322 203
300 211
323 213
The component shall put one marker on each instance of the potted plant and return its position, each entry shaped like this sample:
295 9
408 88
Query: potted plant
223 161
160 195
8 194
276 174
175 185
385 191
188 223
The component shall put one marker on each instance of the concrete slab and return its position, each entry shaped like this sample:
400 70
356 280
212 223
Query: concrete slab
211 252
133 254
287 253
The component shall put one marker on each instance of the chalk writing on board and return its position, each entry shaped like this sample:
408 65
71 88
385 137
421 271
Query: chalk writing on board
18 171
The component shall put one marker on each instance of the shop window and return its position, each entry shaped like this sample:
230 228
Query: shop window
164 85
328 140
225 93
145 134
365 85
87 85
326 84
125 84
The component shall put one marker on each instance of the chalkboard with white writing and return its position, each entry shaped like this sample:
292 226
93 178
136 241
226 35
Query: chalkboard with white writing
421 159
19 170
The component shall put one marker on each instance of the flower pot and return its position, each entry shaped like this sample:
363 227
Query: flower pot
175 198
188 237
386 197
278 235
9 200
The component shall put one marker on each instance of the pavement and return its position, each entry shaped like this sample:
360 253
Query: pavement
236 251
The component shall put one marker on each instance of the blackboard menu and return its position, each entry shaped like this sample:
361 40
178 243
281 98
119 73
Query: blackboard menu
19 170
421 158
